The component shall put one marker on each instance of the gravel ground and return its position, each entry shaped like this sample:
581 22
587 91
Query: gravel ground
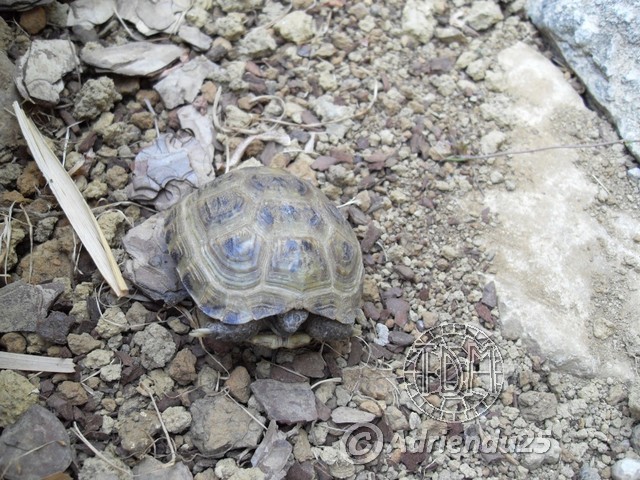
395 89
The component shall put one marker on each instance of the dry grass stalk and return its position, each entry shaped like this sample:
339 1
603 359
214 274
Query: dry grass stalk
73 204
506 153
35 363
96 452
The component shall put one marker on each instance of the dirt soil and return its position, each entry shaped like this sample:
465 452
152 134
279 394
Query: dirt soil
534 255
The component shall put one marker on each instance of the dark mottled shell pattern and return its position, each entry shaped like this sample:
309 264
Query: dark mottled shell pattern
258 242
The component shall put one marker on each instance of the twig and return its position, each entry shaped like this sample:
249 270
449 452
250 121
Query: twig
326 380
311 143
270 136
195 324
172 447
335 120
155 116
216 120
245 409
464 158
124 25
275 20
30 242
353 201
6 236
600 183
66 142
290 370
176 25
95 451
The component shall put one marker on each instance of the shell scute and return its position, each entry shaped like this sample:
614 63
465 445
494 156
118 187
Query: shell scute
219 209
297 265
265 217
233 260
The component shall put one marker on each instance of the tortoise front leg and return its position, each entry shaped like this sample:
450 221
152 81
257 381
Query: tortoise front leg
289 322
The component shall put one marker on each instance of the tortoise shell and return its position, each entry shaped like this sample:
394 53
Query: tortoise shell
258 242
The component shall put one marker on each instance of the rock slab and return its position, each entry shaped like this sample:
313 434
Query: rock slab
600 42
551 253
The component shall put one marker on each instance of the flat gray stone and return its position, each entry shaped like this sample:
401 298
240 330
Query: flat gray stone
19 5
89 13
40 70
150 266
351 415
55 327
273 453
131 59
286 402
22 305
153 16
183 85
626 469
34 447
195 37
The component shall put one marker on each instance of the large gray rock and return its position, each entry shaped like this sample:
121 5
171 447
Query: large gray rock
34 447
600 42
286 402
552 254
219 424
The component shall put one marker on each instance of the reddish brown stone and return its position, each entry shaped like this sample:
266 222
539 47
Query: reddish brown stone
399 308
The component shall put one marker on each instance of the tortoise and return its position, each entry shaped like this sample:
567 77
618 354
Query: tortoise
261 249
